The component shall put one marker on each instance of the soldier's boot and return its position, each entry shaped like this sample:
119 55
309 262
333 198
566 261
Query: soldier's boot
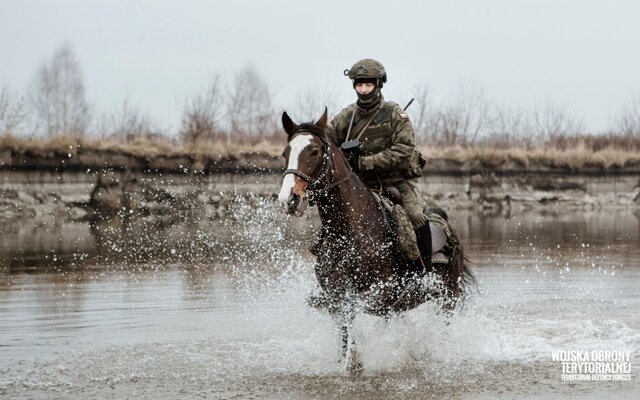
423 236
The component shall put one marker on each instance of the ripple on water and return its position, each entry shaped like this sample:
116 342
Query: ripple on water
267 344
240 328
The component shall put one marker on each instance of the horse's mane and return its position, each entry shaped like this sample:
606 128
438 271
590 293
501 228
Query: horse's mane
310 127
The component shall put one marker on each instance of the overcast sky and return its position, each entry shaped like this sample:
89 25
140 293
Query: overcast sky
581 54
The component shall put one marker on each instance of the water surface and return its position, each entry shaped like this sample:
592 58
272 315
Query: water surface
200 307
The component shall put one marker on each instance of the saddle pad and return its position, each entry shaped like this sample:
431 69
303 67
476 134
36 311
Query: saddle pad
438 238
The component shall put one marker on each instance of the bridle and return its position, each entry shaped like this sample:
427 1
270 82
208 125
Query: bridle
311 181
315 184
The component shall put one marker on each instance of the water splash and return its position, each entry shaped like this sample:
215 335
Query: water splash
211 306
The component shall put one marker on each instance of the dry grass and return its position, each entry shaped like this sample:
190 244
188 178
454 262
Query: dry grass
227 147
574 153
66 144
574 158
581 156
145 147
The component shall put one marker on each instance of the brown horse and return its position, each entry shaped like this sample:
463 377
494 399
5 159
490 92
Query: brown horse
359 265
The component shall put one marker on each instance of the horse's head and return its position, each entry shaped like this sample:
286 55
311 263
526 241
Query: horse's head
307 156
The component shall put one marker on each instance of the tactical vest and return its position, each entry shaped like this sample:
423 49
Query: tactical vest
377 137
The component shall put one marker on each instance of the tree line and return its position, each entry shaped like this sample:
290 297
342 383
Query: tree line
242 109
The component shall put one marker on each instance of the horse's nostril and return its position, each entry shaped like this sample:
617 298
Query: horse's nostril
294 200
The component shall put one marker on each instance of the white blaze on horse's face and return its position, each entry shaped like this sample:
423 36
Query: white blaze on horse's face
293 187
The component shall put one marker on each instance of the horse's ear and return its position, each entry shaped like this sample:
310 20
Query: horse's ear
288 125
322 122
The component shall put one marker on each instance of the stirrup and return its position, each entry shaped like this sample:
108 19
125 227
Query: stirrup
439 259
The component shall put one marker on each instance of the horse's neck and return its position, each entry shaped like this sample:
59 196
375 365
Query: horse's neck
348 206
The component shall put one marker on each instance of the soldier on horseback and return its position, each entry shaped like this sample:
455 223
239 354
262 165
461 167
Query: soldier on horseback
379 141
361 265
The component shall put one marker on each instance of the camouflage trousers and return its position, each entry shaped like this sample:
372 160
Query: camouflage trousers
412 202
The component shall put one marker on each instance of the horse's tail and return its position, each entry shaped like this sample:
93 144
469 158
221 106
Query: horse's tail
466 280
460 280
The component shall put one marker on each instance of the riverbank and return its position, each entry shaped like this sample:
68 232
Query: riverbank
76 195
67 153
75 178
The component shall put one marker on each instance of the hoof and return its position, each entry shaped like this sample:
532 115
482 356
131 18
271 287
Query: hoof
353 365
355 369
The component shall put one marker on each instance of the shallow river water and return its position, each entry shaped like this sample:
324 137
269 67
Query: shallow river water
207 308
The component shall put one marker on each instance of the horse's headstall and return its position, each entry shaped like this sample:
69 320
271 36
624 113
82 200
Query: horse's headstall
298 173
323 171
326 163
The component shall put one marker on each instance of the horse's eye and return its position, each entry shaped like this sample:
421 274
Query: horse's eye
315 152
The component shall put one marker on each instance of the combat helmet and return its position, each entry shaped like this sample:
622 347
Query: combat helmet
367 69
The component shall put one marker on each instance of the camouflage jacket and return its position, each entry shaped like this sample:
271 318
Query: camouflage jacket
389 143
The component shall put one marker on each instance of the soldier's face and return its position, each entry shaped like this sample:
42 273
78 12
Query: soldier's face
364 88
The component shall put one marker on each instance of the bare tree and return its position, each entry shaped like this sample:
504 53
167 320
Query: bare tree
58 97
13 111
552 122
202 114
463 120
250 105
126 123
310 104
422 111
475 112
628 122
510 127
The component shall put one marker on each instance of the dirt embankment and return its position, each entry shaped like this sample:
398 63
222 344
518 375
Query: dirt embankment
82 181
81 159
79 195
448 161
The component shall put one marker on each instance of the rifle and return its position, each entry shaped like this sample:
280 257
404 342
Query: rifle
408 104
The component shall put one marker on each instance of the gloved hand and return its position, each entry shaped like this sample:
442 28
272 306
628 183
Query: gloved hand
353 158
352 151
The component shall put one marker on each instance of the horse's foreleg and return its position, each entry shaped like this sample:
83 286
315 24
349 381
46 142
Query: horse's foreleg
348 353
343 326
352 363
344 340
